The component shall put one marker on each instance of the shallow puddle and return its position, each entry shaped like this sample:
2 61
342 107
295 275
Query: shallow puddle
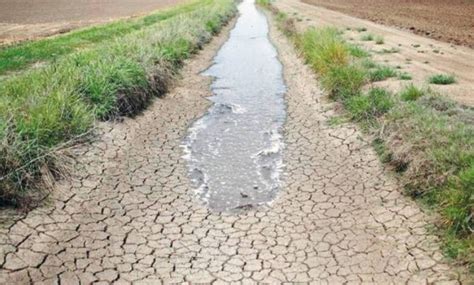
234 151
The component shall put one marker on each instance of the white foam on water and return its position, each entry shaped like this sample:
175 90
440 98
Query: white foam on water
237 109
234 152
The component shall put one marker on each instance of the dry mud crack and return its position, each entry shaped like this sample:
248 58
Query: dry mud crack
129 213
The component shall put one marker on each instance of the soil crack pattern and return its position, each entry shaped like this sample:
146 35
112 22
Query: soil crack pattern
234 151
129 213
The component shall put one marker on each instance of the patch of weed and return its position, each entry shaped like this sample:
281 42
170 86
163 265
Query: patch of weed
367 107
323 48
387 51
381 73
337 120
442 79
411 93
381 150
404 76
368 63
343 81
357 51
379 40
367 37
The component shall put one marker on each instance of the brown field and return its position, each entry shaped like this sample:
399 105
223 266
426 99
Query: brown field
26 19
450 21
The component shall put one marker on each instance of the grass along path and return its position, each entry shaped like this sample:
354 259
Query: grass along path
42 109
428 139
22 55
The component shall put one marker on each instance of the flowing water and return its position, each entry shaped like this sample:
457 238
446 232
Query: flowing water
234 150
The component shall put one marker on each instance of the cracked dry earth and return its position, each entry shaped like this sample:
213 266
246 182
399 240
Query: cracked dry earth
130 215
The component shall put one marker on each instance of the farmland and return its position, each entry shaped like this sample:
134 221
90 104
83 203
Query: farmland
449 21
28 19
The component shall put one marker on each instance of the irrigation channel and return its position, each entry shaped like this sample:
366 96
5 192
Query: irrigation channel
234 152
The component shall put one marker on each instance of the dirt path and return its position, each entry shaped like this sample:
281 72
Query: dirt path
29 19
419 56
130 214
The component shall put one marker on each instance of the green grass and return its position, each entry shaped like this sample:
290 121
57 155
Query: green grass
357 51
367 37
381 72
388 51
442 79
367 107
434 138
23 55
368 63
44 108
285 24
438 146
324 49
411 93
343 81
379 40
381 150
361 29
428 139
337 120
264 3
404 76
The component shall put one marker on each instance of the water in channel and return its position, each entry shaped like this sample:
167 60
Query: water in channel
234 150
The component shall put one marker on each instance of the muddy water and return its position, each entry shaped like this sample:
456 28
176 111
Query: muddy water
234 150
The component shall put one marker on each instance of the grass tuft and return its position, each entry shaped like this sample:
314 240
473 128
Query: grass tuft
368 63
381 73
357 51
366 108
323 49
442 79
382 151
404 76
411 93
388 51
367 37
343 81
265 3
379 40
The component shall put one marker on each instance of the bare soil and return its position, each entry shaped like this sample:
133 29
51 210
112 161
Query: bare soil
449 21
28 19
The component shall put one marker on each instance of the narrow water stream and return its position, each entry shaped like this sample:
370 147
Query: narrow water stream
234 151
